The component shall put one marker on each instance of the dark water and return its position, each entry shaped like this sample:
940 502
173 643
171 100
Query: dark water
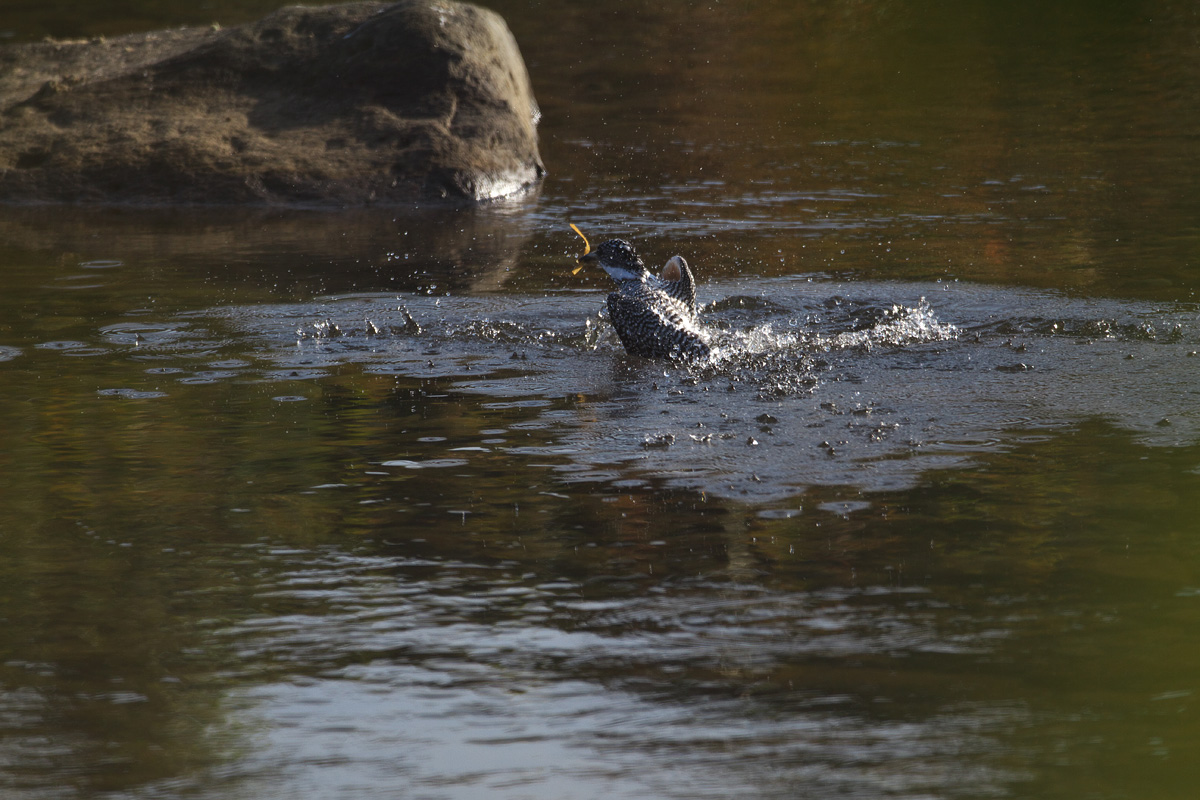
371 504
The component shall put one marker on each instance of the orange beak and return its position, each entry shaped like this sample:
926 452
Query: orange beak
587 248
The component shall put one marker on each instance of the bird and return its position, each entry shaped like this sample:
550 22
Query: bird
654 315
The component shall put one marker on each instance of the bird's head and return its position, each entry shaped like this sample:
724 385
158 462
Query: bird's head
618 258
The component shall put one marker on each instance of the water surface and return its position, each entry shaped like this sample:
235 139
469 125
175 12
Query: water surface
371 503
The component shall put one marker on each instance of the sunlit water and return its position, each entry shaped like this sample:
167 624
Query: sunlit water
359 504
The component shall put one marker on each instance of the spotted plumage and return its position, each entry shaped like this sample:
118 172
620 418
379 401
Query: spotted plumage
654 316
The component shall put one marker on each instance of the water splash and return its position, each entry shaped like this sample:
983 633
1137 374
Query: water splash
809 383
897 326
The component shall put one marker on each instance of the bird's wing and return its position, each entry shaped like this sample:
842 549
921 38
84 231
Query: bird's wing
651 324
682 289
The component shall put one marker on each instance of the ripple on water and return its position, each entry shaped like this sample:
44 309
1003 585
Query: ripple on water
73 348
143 334
605 690
131 394
209 376
844 508
278 376
74 283
779 513
430 463
864 384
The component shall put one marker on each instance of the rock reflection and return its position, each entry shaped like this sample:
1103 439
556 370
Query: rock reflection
295 251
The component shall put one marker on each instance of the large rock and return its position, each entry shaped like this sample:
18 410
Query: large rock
356 104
